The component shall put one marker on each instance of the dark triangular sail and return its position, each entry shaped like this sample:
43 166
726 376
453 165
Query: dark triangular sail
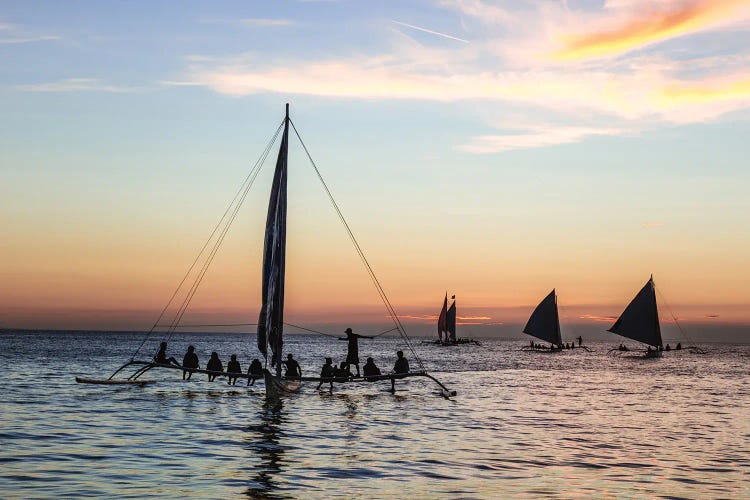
640 320
271 319
450 321
544 322
442 318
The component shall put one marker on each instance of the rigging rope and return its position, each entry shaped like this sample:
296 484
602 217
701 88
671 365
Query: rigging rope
220 239
674 318
360 252
250 178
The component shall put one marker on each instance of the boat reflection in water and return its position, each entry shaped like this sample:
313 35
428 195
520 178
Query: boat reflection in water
264 442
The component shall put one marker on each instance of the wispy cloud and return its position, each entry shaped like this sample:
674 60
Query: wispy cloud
425 30
631 25
535 138
14 34
76 85
594 317
652 224
259 22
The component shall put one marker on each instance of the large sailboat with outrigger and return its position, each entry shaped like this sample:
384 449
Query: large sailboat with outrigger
640 321
544 324
270 326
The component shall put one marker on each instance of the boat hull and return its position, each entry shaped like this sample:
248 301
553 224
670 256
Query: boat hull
277 387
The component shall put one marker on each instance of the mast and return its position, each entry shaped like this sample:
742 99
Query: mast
640 320
271 318
544 322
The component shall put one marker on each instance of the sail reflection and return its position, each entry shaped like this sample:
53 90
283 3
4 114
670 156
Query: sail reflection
263 442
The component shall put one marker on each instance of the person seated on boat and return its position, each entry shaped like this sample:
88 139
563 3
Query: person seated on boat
342 371
648 349
661 348
233 368
370 369
214 365
401 367
189 361
352 352
678 347
161 356
327 372
293 370
255 371
667 348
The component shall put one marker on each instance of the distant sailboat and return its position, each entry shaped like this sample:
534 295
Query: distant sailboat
447 325
640 320
544 322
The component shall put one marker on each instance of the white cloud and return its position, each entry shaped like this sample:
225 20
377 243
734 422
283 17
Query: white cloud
76 85
535 138
264 22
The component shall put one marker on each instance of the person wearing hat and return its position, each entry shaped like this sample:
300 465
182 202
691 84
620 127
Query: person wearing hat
352 354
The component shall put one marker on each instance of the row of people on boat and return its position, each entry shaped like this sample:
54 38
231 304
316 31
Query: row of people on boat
566 345
292 368
678 347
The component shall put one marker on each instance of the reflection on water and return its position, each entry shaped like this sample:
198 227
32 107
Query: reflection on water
263 441
573 425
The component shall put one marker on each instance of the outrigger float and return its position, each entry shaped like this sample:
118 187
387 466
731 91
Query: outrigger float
271 319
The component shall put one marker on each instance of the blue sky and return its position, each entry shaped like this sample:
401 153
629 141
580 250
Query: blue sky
531 144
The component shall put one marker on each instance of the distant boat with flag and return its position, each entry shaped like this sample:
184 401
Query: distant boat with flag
270 326
446 326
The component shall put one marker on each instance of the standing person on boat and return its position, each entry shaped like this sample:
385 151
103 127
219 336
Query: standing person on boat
370 369
401 367
255 371
189 361
161 356
293 369
352 354
214 365
233 368
580 341
327 372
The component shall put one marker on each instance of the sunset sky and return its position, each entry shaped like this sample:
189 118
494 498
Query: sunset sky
493 150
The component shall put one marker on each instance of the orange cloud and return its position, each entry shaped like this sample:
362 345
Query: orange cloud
593 317
650 26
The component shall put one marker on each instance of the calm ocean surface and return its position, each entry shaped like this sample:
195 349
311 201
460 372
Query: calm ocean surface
572 425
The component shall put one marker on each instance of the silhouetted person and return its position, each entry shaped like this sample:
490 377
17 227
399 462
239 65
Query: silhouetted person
161 356
327 372
352 353
667 348
293 369
400 367
233 368
214 365
342 371
580 341
678 347
189 361
370 369
255 371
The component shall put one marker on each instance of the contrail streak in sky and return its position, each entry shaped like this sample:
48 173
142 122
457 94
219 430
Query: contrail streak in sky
431 32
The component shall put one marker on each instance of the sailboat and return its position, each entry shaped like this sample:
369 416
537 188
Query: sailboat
270 326
640 320
447 326
544 323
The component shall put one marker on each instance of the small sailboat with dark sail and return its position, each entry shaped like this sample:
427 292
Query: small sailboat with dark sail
446 326
270 326
640 320
544 324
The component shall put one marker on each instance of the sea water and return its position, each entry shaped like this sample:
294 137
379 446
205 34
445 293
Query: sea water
575 424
